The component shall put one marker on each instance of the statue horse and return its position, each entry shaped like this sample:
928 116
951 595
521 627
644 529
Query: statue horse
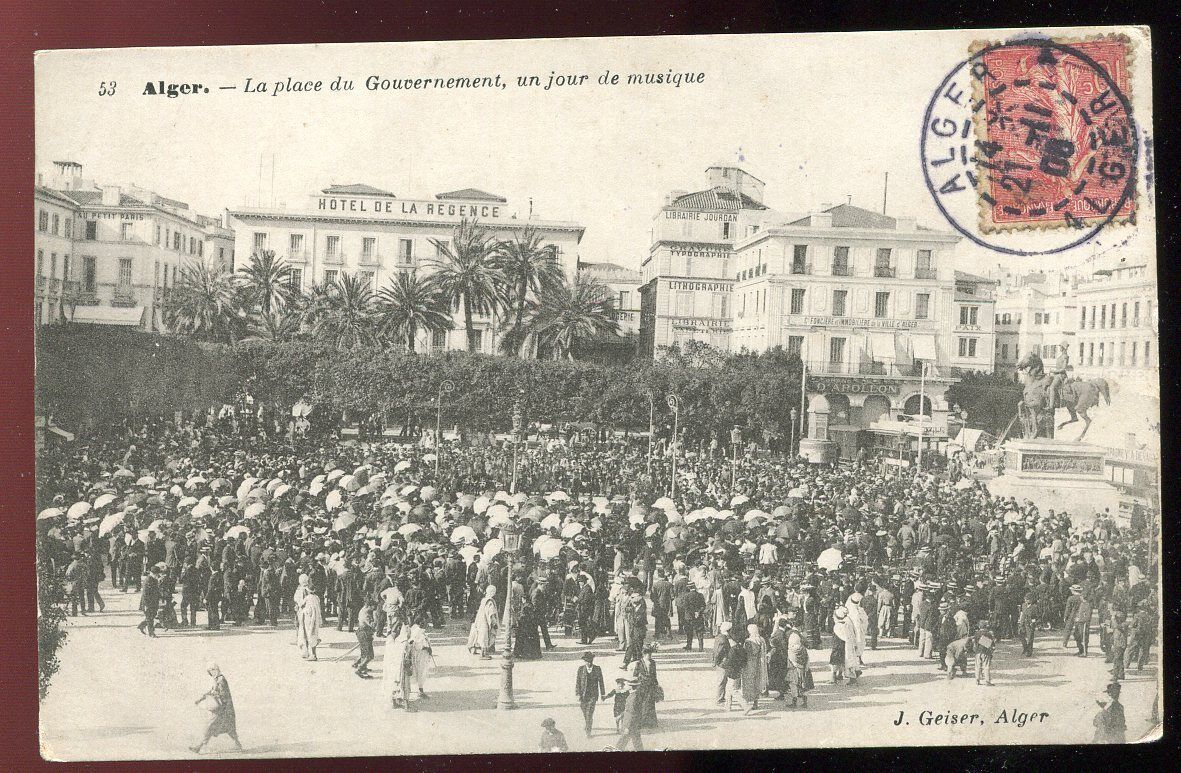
1046 391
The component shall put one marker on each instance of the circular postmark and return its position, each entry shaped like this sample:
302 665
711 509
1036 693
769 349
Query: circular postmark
1029 147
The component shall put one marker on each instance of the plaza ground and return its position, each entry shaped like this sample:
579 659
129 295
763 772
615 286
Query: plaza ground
120 694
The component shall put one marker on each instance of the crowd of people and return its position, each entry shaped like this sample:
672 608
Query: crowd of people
771 557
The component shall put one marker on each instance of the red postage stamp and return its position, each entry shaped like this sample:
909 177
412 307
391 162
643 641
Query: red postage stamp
1054 135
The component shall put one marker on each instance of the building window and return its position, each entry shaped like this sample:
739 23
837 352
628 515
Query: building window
838 302
295 244
1102 353
477 338
69 227
126 231
836 351
969 315
438 339
1147 355
124 274
795 345
1103 316
56 223
200 249
260 242
42 221
368 247
66 267
1004 352
192 245
624 299
333 246
52 266
40 262
367 279
922 265
840 262
1082 319
296 281
157 234
967 347
89 274
176 240
922 306
726 230
881 263
1122 351
684 304
881 305
406 250
330 276
797 301
799 259
1136 314
91 230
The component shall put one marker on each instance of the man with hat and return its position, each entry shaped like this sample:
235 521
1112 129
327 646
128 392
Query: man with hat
1076 620
589 689
690 606
149 601
552 739
721 651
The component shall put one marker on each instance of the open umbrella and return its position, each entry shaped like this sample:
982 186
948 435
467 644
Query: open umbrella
234 531
254 509
406 491
146 480
103 500
551 521
503 496
77 510
499 519
664 503
245 486
480 505
429 458
694 516
316 487
407 529
549 550
280 490
753 514
739 499
219 484
195 481
463 534
781 512
109 523
202 510
123 473
572 529
427 493
332 501
158 525
343 521
469 552
558 496
830 559
187 502
226 501
50 512
287 526
493 547
332 476
402 465
348 482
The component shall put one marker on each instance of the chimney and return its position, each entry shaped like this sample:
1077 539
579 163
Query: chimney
820 219
110 195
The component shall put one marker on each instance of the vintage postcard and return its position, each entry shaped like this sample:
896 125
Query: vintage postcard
596 394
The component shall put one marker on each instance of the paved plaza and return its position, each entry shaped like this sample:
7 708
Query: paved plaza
120 694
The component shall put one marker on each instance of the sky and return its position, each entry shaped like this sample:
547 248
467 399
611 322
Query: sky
820 118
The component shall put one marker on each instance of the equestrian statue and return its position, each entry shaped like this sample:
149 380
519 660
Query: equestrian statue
1045 392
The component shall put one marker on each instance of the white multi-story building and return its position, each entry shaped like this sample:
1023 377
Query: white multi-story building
107 255
688 274
371 233
973 323
624 284
1034 312
866 300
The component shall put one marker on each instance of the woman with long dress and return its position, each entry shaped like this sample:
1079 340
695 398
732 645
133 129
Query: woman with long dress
856 625
779 665
482 635
527 634
398 667
797 654
650 689
836 657
754 672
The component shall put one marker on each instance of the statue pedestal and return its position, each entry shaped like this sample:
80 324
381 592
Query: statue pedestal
819 451
1057 475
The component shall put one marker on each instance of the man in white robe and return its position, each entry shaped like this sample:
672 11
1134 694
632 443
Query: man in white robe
856 625
423 656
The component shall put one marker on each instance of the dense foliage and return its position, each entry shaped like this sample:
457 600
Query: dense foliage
51 618
989 399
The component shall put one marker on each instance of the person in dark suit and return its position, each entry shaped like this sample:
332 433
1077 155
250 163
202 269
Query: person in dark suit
149 602
540 599
585 609
662 605
268 594
213 592
588 688
690 606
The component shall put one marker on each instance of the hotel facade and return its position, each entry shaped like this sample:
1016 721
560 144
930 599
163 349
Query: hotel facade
373 234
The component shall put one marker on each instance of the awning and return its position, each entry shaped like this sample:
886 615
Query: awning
882 346
131 316
923 347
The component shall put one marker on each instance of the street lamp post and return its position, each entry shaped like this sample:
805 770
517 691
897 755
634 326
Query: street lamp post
791 448
511 539
675 404
922 409
651 430
735 439
517 421
447 387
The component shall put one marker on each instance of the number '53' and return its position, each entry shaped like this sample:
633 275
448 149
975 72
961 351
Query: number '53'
106 88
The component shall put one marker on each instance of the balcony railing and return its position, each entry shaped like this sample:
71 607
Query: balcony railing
925 273
124 296
839 269
801 268
369 259
884 272
870 368
298 256
334 259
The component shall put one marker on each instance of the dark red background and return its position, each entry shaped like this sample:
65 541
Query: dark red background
29 26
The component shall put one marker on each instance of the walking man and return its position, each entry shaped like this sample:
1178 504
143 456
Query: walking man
588 688
149 601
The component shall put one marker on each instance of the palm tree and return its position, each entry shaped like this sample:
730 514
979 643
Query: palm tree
410 303
344 315
527 266
465 273
204 304
572 313
282 324
267 282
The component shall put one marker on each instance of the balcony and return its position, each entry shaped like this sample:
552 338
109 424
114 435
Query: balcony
842 269
884 272
369 259
334 259
124 297
801 268
298 256
869 368
925 273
